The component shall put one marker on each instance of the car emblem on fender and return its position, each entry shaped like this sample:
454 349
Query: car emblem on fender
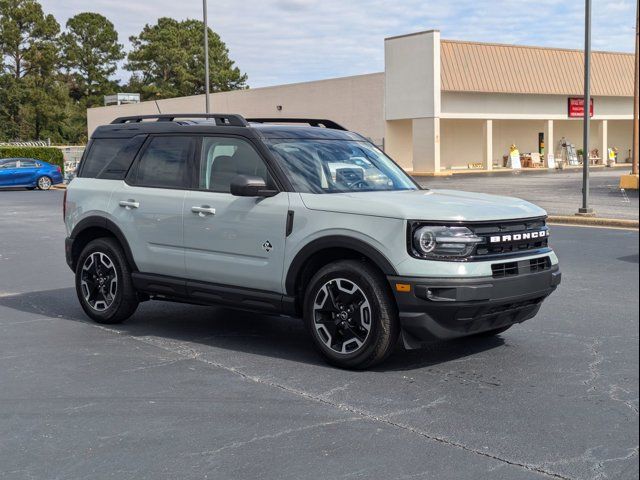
267 246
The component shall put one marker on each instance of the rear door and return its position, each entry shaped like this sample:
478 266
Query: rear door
26 172
148 206
8 173
229 240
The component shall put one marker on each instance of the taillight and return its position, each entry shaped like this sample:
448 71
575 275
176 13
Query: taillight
59 170
64 205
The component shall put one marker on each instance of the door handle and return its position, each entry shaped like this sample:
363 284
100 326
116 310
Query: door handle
203 210
129 204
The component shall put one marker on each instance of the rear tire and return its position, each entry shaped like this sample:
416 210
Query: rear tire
103 282
351 315
44 183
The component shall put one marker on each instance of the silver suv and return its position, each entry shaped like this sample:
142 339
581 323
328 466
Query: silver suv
306 220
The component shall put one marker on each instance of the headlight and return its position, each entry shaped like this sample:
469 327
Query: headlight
440 242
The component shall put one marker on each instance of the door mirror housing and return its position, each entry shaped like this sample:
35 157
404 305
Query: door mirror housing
250 186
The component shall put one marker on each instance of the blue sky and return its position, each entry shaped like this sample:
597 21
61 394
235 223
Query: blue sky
286 41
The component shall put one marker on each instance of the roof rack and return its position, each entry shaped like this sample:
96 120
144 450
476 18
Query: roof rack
314 122
221 119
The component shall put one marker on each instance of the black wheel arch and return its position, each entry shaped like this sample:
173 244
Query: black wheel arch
322 251
93 227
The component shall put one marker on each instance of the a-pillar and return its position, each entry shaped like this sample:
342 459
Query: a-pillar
549 142
426 145
602 144
487 144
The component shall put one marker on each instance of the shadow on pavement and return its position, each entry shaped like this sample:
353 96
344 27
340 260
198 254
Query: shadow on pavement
272 336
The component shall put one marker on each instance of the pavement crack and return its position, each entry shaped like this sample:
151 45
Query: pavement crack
594 365
271 436
192 353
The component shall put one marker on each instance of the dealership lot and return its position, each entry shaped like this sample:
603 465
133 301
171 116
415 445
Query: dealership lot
200 392
558 192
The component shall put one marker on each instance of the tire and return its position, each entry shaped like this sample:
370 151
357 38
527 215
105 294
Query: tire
351 315
44 183
102 299
494 332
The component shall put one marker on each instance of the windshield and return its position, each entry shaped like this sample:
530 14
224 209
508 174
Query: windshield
334 166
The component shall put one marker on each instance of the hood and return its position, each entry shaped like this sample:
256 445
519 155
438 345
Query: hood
429 205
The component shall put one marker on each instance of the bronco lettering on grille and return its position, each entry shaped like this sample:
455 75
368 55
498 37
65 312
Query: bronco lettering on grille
517 237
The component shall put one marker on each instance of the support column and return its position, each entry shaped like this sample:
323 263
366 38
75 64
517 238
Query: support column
603 141
426 145
549 142
487 144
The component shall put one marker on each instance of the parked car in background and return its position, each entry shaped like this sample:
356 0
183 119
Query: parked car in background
29 173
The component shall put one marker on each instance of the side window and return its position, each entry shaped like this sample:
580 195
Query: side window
165 162
101 152
27 164
11 164
221 159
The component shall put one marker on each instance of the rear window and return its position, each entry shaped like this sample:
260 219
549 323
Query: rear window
110 158
165 162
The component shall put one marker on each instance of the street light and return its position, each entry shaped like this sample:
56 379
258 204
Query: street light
585 209
206 56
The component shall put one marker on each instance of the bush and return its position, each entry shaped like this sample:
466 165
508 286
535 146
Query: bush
46 154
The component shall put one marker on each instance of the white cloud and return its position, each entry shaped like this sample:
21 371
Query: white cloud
284 41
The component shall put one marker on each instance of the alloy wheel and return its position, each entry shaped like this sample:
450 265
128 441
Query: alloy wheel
342 316
44 183
99 281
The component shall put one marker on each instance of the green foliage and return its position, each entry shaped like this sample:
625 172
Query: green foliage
48 79
51 155
168 61
90 52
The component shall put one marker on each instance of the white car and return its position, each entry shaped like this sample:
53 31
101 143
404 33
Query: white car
217 209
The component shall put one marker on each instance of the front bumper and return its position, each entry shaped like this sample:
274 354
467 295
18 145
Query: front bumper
432 309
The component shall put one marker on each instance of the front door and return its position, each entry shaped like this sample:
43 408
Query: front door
231 240
148 207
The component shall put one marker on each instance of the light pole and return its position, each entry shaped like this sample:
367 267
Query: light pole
585 209
206 57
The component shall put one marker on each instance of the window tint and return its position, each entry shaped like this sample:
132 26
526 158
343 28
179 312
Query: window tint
101 152
119 165
164 163
11 164
222 159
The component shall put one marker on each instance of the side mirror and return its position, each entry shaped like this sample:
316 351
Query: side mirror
250 186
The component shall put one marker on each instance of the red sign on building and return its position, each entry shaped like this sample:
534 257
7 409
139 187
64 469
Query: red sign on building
576 107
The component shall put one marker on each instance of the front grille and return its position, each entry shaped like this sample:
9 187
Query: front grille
511 269
511 246
539 264
501 270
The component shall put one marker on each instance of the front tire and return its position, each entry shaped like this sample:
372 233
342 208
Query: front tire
103 282
44 183
351 315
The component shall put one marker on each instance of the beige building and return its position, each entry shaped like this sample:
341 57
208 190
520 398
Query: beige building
443 104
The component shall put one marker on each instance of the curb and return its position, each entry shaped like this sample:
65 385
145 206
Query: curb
593 221
521 171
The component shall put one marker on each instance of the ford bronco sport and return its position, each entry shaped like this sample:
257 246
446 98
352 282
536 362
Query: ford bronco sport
305 220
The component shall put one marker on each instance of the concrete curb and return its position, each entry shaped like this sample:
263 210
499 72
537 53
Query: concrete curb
593 221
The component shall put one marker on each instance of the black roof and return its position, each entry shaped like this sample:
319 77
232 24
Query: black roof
225 123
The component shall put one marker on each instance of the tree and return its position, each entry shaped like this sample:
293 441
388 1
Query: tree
90 54
168 61
30 88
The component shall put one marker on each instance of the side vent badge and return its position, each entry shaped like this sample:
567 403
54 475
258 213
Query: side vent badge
267 246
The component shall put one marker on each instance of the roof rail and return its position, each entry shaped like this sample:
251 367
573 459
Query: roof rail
314 122
221 119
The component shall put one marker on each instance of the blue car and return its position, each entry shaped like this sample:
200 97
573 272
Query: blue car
28 173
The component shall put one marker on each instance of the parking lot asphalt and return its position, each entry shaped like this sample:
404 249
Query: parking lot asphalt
559 193
199 392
